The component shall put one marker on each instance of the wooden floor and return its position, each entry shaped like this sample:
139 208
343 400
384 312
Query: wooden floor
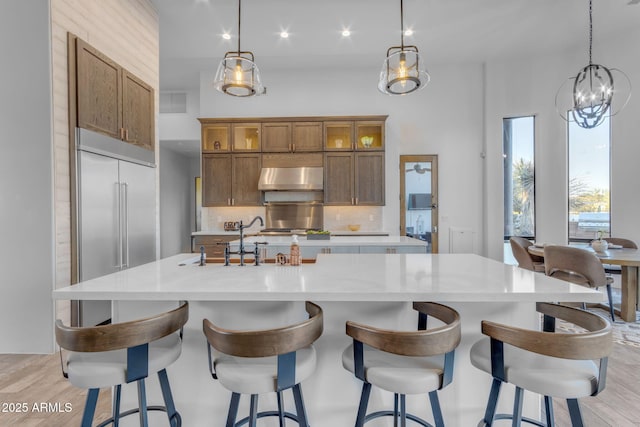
30 381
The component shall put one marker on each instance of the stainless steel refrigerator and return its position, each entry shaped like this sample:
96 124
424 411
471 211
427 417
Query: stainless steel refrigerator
116 213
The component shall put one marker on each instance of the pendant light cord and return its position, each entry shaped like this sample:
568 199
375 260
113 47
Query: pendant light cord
402 25
590 30
239 10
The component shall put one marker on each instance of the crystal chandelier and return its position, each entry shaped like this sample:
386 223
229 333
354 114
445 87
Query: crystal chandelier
403 70
237 74
592 91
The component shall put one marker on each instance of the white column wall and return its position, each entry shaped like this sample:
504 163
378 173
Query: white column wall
26 179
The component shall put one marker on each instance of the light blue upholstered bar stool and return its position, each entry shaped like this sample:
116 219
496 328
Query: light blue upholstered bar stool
120 353
265 361
404 362
562 365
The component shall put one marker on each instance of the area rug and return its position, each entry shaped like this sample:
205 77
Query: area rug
625 333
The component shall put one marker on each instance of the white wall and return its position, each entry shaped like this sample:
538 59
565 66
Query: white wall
177 201
444 119
26 179
528 86
182 126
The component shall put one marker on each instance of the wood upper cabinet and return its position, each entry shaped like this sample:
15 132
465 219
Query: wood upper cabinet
338 136
216 179
246 137
369 178
99 87
291 137
276 137
109 99
137 111
369 135
354 179
307 136
230 179
215 138
338 179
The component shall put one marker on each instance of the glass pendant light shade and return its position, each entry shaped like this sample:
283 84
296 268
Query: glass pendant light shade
238 75
403 71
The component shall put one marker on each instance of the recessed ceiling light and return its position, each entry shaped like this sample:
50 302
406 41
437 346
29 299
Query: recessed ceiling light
226 36
408 32
284 35
346 33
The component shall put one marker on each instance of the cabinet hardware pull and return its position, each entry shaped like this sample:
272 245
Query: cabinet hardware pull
126 134
294 147
356 200
228 202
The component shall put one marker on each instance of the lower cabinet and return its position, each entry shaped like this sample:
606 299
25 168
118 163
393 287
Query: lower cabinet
393 249
213 244
312 252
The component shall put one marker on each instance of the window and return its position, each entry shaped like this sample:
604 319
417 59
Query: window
589 156
519 177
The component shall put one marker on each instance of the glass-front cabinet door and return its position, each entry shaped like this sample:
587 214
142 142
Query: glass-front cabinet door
246 137
338 136
370 135
215 138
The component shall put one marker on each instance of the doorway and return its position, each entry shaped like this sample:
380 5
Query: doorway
419 198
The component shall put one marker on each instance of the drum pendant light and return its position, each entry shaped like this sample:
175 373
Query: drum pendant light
592 91
403 70
237 74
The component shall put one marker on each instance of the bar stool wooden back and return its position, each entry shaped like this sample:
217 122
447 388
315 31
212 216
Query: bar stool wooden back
262 361
120 353
561 365
404 362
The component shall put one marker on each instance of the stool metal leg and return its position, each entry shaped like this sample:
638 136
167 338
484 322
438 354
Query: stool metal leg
517 407
364 401
300 410
403 411
548 410
142 401
280 410
611 312
168 399
490 412
574 412
395 409
438 419
90 407
253 410
233 409
116 405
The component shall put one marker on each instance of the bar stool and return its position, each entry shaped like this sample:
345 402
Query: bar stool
119 353
561 365
262 361
404 362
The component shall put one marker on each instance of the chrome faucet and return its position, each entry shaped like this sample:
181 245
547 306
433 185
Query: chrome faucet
241 250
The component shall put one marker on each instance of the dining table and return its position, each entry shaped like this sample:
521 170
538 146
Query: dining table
629 261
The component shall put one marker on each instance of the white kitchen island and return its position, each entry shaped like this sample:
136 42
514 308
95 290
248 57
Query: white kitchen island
371 288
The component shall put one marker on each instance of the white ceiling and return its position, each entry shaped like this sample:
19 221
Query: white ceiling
446 31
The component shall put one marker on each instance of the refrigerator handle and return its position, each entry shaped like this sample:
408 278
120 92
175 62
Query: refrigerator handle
119 236
125 216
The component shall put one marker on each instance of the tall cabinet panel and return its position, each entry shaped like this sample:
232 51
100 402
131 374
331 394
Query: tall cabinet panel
137 111
216 179
246 174
99 87
369 179
338 179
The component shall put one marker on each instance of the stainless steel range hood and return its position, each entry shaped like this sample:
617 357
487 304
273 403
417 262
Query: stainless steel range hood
291 179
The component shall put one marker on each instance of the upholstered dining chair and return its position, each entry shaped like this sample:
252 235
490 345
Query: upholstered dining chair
525 260
625 243
119 353
563 365
263 361
404 362
578 266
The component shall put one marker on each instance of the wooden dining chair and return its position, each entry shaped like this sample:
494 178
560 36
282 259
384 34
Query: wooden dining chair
120 353
578 266
525 260
263 361
563 365
404 362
